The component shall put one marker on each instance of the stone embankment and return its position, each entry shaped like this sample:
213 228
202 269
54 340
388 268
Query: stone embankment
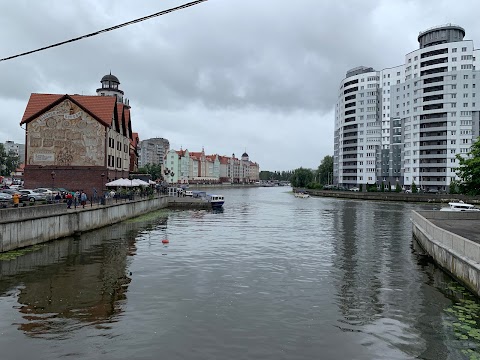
452 239
26 226
393 196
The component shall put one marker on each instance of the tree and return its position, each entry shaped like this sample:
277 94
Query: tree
469 170
325 170
454 187
398 188
8 161
414 188
301 177
155 171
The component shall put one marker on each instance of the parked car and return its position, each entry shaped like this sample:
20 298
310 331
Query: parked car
188 193
408 191
432 191
30 195
354 189
10 191
5 198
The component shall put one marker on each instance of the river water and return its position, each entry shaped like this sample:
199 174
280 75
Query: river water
269 277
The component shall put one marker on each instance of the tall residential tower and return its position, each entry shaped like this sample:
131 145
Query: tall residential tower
405 124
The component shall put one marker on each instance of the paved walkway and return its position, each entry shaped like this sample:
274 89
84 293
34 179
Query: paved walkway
469 229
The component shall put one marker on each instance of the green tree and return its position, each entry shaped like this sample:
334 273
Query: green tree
155 171
325 171
454 187
398 188
414 188
469 170
389 186
8 161
301 177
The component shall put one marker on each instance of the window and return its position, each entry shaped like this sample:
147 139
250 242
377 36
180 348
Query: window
464 49
454 96
465 95
454 87
465 77
454 50
465 104
454 59
454 68
465 86
454 105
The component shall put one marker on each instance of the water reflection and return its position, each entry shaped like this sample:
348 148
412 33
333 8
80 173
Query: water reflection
74 282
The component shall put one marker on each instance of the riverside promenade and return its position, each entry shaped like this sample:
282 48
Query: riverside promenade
452 239
31 225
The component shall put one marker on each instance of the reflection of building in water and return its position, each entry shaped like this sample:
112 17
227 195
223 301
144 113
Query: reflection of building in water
379 288
70 281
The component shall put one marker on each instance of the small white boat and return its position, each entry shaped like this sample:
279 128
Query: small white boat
301 195
216 201
459 206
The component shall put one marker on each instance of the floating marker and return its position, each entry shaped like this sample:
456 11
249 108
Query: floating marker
165 241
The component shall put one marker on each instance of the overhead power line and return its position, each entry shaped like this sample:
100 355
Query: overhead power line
164 12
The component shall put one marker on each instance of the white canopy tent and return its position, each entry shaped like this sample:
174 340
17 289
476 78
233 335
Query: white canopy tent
118 182
127 183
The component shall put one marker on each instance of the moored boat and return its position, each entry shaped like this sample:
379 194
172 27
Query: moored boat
216 201
459 206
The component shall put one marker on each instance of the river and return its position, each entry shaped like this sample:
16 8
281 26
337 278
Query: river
269 277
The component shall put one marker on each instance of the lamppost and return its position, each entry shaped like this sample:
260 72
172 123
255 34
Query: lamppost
102 196
53 179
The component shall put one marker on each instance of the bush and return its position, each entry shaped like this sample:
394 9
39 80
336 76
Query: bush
398 188
360 187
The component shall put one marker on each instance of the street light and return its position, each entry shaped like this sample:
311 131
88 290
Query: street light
53 179
102 197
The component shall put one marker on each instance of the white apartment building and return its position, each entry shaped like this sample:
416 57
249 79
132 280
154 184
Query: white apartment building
15 148
152 151
405 124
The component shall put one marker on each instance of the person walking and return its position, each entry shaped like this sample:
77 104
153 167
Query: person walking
69 198
83 199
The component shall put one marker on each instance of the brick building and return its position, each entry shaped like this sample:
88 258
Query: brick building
77 141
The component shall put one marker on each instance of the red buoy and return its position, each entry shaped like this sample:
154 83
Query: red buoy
165 241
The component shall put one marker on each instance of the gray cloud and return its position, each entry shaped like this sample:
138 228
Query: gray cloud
228 75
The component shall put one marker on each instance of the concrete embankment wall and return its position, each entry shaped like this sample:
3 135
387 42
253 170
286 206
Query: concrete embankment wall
393 196
457 255
52 222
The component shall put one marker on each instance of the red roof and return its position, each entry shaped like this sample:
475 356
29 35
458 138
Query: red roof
100 107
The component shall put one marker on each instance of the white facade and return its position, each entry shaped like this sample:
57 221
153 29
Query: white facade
406 124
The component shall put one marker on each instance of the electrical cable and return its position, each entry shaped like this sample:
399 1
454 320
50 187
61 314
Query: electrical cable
164 12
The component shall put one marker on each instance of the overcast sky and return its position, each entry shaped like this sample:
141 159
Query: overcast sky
228 75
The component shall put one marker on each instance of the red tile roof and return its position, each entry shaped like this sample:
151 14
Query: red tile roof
37 103
100 107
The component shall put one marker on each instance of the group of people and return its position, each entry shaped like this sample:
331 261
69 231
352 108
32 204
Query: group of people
75 198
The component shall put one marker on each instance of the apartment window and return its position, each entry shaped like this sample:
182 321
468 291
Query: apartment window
454 59
454 105
454 50
398 73
415 58
454 77
465 86
465 95
454 96
464 49
465 105
454 87
452 142
465 77
454 68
